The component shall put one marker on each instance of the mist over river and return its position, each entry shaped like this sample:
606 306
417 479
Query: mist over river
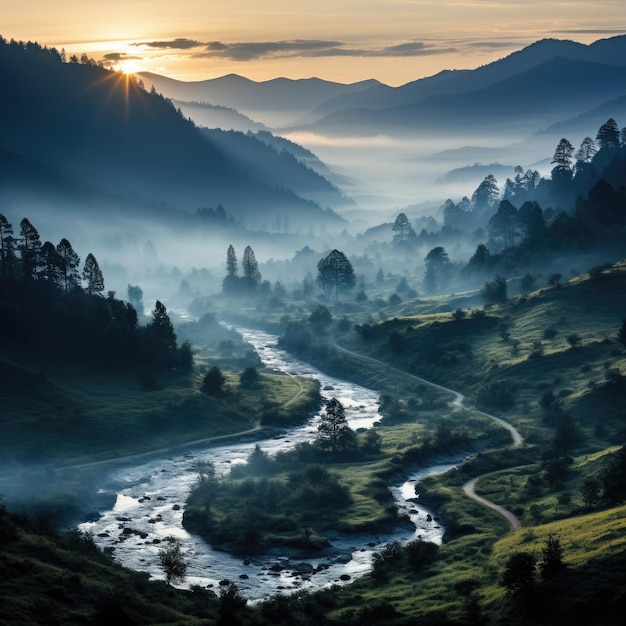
150 496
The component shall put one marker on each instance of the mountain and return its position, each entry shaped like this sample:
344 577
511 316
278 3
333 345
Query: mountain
610 52
102 131
216 116
275 99
520 104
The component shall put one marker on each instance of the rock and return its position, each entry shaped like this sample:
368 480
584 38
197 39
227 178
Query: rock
246 562
429 518
344 577
303 568
176 507
225 582
244 576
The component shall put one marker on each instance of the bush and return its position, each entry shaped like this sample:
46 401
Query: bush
494 291
213 382
498 395
419 554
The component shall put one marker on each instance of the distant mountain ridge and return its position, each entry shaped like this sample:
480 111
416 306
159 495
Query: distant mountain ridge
448 82
536 87
285 95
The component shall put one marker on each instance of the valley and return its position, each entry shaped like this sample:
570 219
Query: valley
322 353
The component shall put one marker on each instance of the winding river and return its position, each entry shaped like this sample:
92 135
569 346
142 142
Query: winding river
149 497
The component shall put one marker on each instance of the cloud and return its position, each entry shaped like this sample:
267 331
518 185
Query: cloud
594 31
248 51
180 43
120 56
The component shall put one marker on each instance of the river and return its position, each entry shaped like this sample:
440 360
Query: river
149 499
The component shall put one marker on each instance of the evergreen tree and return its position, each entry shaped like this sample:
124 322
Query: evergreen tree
231 262
608 136
251 274
563 155
93 276
29 246
231 282
8 258
335 433
402 227
486 195
587 149
532 222
437 263
51 265
505 223
551 558
479 262
335 273
69 262
161 326
213 381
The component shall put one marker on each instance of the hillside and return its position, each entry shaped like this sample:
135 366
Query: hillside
104 132
545 94
456 82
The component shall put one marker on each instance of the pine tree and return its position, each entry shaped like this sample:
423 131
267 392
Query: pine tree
50 269
608 136
29 246
335 273
93 276
8 258
251 274
402 227
437 263
486 195
335 433
231 262
563 155
69 265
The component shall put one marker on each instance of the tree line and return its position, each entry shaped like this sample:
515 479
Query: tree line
45 301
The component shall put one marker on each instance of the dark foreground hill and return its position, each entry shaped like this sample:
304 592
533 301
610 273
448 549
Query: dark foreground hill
105 133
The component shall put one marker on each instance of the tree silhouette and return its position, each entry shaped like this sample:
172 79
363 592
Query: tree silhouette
402 227
172 560
213 381
335 273
608 136
563 155
51 263
251 274
29 246
93 276
437 262
69 265
505 223
335 433
8 259
486 195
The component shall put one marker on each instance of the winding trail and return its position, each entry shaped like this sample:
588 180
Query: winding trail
468 487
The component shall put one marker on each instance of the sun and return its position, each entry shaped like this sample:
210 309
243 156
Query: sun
129 66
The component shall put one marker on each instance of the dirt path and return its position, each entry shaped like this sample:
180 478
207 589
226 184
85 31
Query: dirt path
469 487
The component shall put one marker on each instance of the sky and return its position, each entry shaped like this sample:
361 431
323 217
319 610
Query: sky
394 41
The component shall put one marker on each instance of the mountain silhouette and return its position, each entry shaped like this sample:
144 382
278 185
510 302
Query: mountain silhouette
102 130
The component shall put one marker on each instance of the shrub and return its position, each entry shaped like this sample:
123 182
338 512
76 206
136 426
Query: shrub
494 291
